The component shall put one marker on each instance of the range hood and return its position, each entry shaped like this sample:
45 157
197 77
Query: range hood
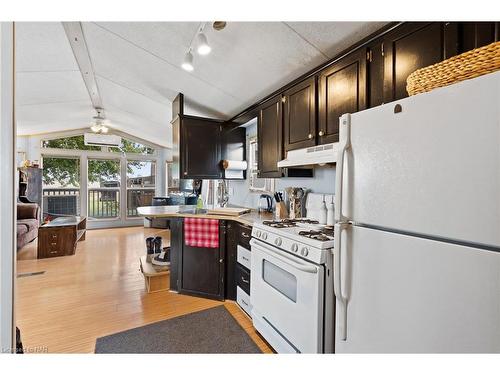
322 154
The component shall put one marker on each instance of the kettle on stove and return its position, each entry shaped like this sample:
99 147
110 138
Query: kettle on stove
265 203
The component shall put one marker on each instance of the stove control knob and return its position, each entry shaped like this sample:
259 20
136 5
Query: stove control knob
295 247
257 233
277 241
304 251
264 236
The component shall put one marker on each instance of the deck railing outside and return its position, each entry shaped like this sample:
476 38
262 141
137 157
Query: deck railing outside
103 203
137 198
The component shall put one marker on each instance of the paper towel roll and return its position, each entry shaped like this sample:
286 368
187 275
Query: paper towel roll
234 165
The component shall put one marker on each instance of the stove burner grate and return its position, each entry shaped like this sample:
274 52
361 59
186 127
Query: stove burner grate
316 235
279 224
288 223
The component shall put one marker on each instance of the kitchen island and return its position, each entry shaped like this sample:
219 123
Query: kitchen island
209 272
181 211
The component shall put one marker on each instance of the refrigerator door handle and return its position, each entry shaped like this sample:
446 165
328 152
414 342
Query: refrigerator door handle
337 281
345 122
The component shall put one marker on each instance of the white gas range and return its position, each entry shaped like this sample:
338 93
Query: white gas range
291 285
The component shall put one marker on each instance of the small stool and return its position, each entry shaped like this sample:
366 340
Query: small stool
156 278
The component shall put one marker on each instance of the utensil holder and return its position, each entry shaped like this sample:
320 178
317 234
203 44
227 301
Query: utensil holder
281 211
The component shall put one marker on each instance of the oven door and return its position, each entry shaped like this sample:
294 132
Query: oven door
287 299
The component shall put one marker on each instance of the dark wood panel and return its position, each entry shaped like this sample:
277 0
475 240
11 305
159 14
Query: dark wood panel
231 256
408 48
451 39
342 89
176 244
55 241
300 115
375 75
269 133
244 234
243 278
476 34
202 269
200 148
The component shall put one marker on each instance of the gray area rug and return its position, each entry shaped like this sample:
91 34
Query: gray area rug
208 331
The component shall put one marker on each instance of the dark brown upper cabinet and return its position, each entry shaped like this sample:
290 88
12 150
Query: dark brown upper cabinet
300 115
375 74
342 89
200 148
269 133
412 46
477 34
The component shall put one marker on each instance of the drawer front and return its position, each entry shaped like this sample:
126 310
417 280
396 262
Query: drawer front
53 242
244 256
243 278
243 299
245 234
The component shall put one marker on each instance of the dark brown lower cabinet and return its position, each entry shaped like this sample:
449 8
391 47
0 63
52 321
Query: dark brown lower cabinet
243 278
202 269
231 254
237 234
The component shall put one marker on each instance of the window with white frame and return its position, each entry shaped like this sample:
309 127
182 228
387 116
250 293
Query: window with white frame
110 182
257 184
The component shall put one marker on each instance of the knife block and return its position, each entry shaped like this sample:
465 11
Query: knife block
281 211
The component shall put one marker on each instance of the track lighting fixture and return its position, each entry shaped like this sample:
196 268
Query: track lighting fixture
203 46
187 64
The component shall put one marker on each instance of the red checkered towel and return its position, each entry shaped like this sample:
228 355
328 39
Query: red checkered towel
201 232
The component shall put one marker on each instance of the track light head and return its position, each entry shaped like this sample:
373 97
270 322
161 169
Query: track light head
203 46
187 64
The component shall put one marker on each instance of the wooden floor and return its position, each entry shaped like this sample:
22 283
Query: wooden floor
97 292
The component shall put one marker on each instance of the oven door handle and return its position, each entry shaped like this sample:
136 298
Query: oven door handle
283 256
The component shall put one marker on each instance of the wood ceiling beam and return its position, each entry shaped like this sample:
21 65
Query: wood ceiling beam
76 38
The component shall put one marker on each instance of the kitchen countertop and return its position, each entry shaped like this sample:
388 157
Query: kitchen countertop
190 211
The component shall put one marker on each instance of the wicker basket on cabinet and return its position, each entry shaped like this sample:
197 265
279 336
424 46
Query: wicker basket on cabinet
467 65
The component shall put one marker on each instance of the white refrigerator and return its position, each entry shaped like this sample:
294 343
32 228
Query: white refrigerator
417 252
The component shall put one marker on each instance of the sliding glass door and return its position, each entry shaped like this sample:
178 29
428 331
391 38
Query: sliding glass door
141 183
103 186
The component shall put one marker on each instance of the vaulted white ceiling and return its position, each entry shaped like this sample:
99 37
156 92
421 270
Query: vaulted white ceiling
137 66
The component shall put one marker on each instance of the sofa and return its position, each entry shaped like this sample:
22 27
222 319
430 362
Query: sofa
27 223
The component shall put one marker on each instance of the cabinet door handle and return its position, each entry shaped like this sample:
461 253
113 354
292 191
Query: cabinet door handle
246 281
244 235
53 243
321 133
283 99
310 136
185 173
